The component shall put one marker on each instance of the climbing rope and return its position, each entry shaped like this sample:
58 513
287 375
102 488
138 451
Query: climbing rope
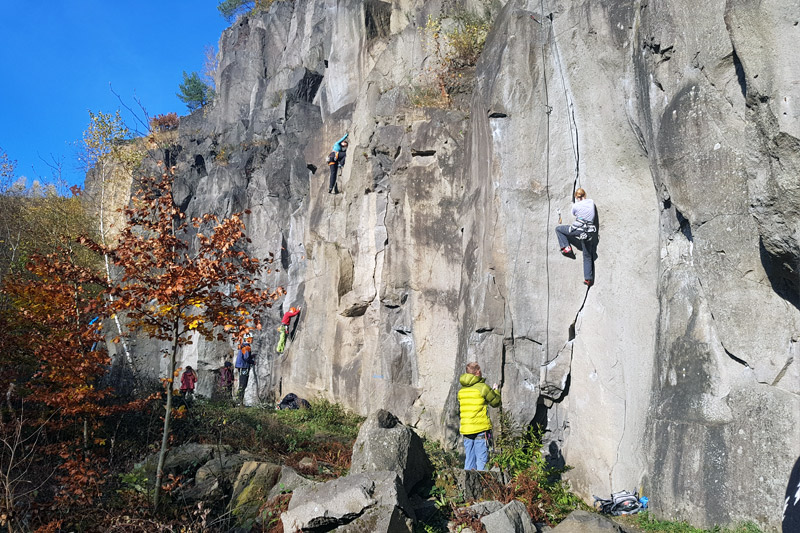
548 110
573 134
573 126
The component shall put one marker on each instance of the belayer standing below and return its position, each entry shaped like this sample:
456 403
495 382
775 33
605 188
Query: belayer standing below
583 230
284 327
473 397
335 160
244 360
188 380
226 379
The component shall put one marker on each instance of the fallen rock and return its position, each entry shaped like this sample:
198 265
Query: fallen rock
472 483
209 490
288 481
181 460
384 443
585 522
379 519
486 508
251 489
344 500
223 467
512 518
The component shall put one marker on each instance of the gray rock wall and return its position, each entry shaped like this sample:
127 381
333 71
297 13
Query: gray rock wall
676 372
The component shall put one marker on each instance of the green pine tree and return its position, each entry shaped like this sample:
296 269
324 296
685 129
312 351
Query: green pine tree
194 92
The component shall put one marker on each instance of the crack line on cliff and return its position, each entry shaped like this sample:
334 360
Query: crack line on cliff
573 125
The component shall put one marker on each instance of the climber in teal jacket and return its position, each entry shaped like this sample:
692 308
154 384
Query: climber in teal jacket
337 146
335 160
473 397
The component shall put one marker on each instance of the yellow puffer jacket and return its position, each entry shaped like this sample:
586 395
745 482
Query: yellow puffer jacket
472 398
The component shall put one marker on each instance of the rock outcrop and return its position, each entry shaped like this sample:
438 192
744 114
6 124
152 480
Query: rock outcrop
384 443
677 371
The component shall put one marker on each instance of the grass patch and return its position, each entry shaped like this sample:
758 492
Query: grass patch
647 522
428 96
325 433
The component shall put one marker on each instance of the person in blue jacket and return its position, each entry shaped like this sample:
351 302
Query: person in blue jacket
244 360
335 160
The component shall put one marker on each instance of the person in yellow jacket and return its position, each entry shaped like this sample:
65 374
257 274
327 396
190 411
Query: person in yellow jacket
473 397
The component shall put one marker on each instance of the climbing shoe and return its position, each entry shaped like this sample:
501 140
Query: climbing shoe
588 282
566 250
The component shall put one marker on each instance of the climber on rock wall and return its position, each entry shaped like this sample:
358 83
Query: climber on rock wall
284 327
476 426
582 232
336 160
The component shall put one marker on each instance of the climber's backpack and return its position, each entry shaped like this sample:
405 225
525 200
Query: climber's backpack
622 502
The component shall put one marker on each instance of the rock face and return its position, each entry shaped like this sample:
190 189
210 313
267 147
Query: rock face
677 371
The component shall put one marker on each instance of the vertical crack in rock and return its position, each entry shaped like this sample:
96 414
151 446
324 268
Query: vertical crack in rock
572 331
737 359
684 225
737 64
782 373
286 258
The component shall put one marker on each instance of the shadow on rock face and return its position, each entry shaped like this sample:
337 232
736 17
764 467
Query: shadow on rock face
783 273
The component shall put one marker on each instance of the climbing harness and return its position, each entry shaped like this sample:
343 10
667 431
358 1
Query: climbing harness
586 229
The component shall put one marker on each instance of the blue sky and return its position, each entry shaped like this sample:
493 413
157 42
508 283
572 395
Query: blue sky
58 58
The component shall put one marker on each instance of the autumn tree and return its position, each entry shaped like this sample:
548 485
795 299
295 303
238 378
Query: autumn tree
161 123
52 354
182 279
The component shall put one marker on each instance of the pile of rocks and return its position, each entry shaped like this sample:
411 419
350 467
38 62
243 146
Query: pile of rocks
377 496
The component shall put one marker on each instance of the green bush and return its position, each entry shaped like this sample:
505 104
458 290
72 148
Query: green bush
467 39
455 43
534 481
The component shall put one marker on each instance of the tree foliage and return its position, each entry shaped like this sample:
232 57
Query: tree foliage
175 292
35 219
230 9
165 122
194 92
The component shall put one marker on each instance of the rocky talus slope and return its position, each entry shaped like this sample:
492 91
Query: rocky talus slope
676 372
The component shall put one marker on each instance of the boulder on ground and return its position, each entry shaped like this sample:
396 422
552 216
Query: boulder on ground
344 500
259 482
215 478
486 508
288 481
181 460
252 488
585 522
384 443
379 519
512 518
472 483
223 467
